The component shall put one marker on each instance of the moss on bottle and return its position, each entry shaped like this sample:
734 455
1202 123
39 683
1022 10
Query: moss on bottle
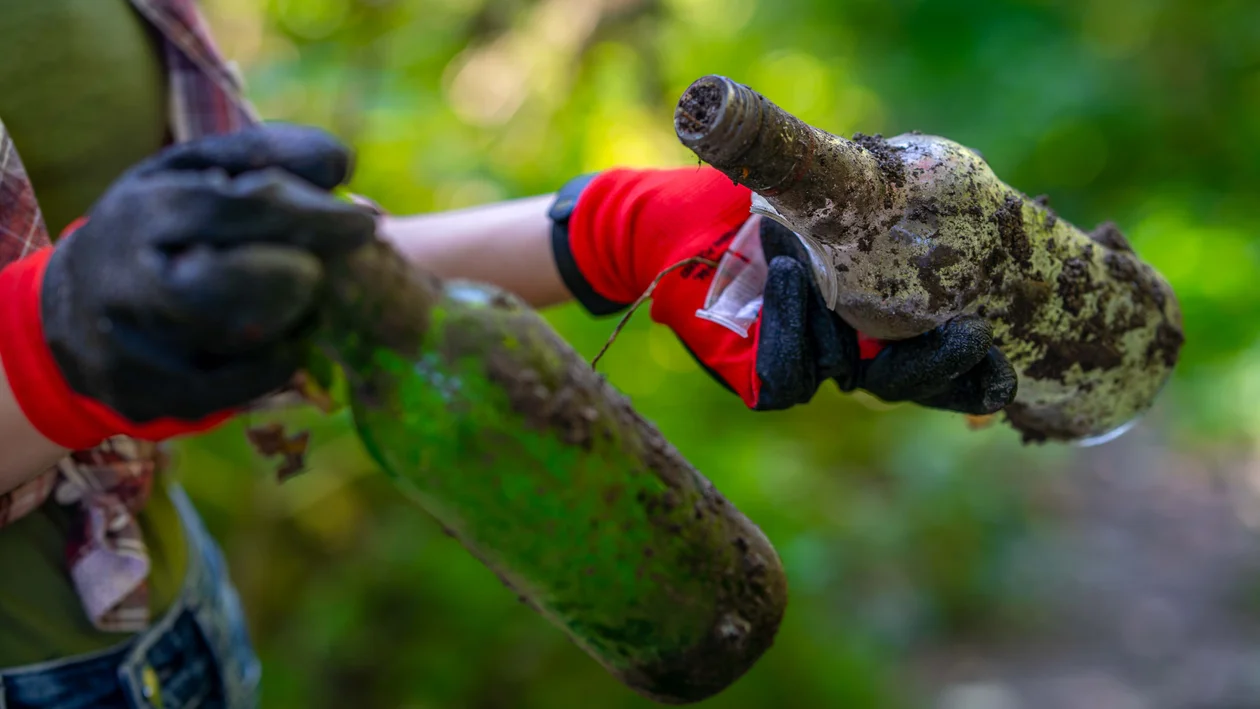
487 419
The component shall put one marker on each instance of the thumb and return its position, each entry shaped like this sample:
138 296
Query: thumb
778 240
985 389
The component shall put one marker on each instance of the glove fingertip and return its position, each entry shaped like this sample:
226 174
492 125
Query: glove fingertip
777 241
1001 385
784 341
312 154
319 222
969 333
786 291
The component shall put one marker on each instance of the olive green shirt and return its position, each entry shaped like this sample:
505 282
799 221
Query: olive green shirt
83 95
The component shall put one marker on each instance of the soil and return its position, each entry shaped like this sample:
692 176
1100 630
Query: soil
699 107
1074 284
1167 344
929 267
762 147
1122 267
1010 222
888 156
1109 235
1095 343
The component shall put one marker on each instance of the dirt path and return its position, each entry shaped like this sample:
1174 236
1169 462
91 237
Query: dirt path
1148 594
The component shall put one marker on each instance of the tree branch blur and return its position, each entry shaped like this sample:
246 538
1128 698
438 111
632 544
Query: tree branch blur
536 59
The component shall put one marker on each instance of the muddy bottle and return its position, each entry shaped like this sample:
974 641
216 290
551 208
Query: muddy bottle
917 229
495 426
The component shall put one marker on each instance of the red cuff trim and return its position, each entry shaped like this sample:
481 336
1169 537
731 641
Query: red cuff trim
630 224
73 226
868 347
59 414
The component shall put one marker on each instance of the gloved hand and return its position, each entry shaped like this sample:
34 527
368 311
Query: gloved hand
745 302
186 292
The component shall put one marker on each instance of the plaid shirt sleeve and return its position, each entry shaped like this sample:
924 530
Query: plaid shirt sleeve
21 232
107 559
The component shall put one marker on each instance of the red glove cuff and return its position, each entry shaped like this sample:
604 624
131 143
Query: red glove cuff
629 225
59 414
868 347
727 355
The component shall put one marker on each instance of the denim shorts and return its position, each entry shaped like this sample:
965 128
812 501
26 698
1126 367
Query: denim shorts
198 655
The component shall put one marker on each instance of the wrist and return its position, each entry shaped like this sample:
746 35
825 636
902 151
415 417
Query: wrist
625 226
571 273
37 382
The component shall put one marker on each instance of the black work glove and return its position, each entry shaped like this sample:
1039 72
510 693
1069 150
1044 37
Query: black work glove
189 290
803 343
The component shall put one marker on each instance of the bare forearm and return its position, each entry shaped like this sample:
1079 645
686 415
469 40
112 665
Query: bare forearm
25 453
506 244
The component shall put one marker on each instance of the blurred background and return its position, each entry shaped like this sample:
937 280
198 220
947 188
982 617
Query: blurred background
931 565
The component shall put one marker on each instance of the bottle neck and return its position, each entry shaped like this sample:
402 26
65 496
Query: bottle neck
377 299
829 188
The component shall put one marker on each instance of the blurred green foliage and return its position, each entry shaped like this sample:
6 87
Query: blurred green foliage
898 527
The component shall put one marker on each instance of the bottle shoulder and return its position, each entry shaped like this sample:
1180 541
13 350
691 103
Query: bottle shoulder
944 170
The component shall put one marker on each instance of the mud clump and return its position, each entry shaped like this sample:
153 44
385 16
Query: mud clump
1010 223
887 155
1122 267
1109 235
1033 428
1074 284
1060 355
1166 346
929 267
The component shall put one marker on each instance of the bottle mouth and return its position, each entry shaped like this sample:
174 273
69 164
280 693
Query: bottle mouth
718 119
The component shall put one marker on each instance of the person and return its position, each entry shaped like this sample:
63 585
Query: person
191 241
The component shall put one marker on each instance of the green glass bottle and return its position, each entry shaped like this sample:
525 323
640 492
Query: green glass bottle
494 425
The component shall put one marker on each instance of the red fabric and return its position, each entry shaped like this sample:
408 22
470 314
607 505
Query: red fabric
74 226
630 225
58 413
868 347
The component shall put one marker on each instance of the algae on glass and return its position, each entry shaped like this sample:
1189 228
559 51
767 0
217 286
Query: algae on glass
477 409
